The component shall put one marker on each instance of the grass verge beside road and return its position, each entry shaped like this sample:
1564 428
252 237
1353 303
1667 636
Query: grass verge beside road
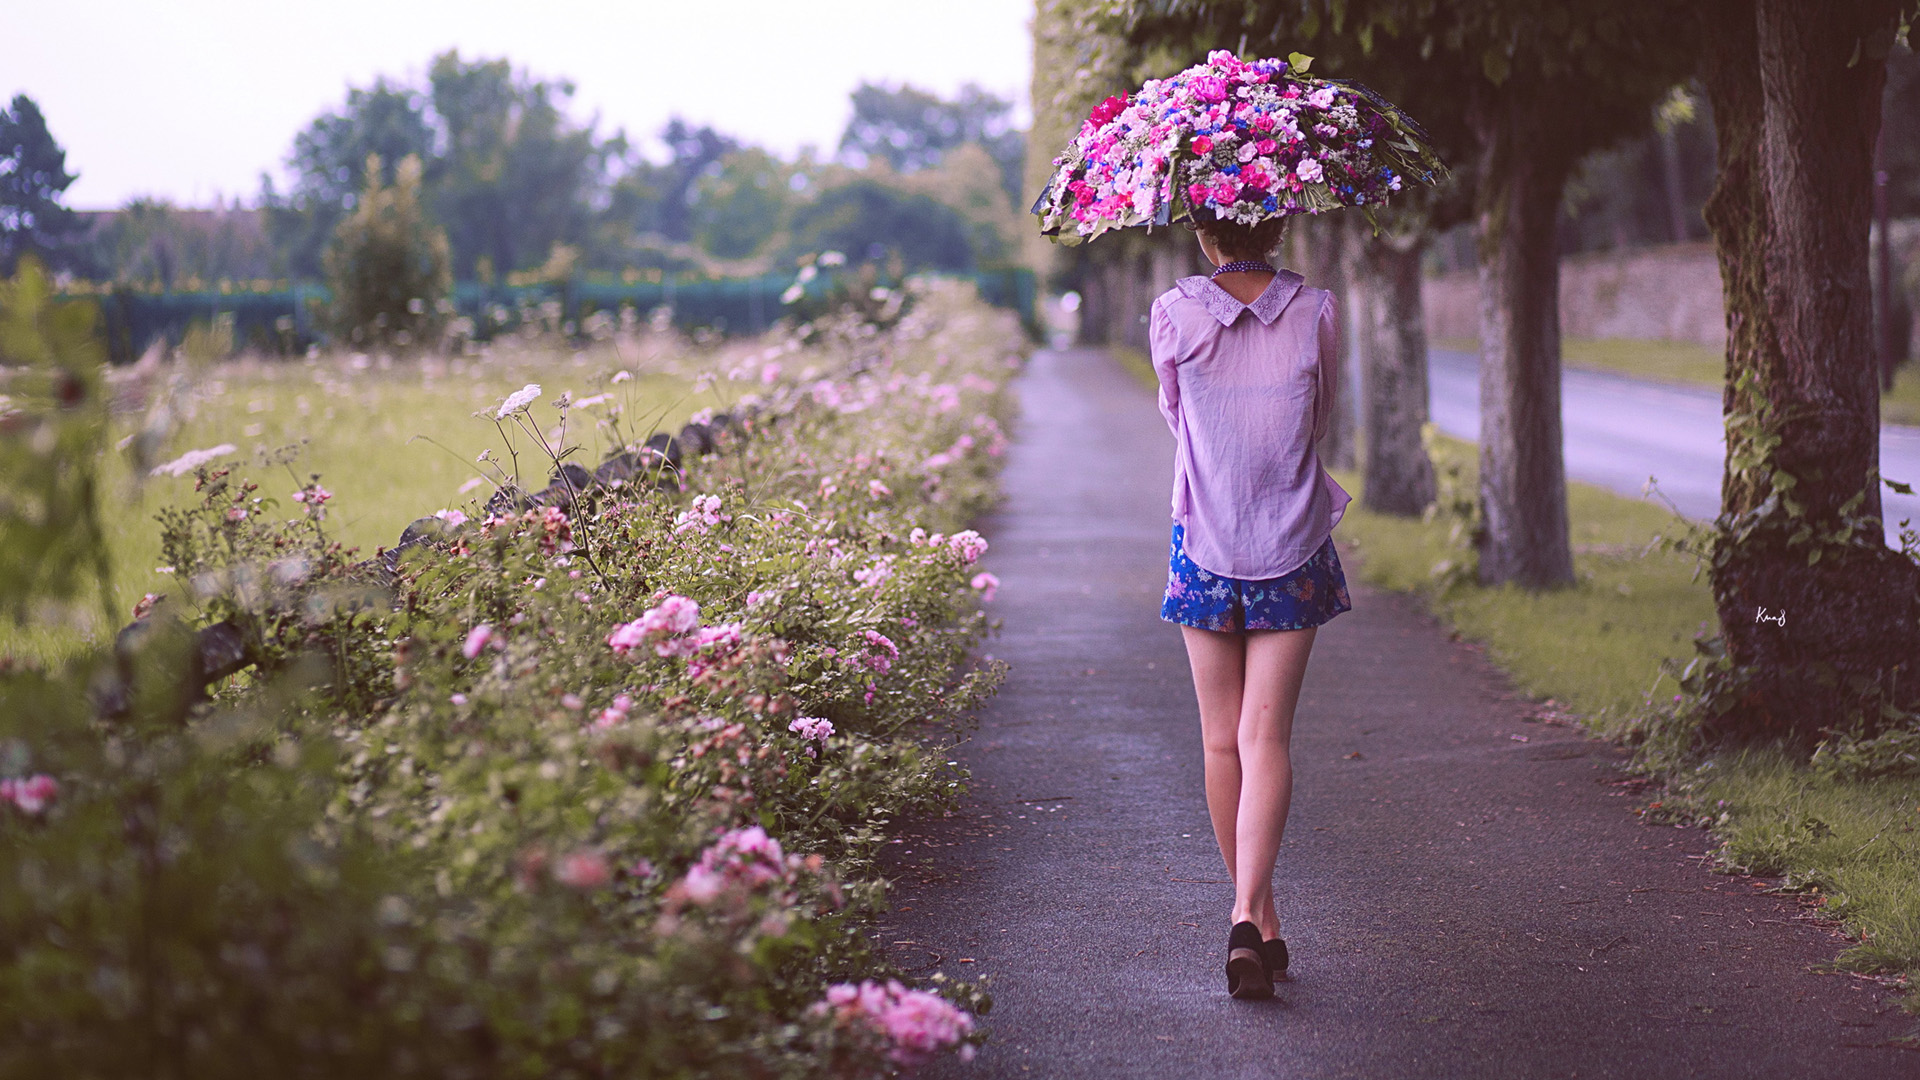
1695 365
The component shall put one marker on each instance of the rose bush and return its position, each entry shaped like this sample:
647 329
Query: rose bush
564 791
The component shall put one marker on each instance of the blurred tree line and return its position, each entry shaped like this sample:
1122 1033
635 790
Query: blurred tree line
519 186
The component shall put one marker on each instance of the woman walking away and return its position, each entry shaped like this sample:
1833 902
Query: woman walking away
1248 363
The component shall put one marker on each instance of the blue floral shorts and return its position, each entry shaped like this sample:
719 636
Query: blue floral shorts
1308 596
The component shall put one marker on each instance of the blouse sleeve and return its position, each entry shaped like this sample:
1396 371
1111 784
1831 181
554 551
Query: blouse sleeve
1326 369
1163 346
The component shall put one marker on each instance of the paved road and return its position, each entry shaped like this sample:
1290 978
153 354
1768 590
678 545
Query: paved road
1460 903
1619 431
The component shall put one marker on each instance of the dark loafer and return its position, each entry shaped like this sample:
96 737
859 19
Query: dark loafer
1248 974
1277 958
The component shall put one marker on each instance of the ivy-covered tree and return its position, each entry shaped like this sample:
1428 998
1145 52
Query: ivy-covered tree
1819 618
33 177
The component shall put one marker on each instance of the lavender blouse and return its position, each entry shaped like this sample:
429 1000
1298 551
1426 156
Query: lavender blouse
1248 399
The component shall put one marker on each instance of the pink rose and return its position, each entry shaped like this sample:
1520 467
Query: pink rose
477 639
31 795
583 870
1107 110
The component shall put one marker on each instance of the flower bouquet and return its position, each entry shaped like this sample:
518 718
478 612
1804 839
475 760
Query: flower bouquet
1242 140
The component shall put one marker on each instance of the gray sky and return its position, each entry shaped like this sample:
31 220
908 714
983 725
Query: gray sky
193 99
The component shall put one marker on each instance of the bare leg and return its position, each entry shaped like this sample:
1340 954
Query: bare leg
1218 661
1276 662
1247 688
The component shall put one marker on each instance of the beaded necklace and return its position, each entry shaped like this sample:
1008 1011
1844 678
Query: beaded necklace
1243 266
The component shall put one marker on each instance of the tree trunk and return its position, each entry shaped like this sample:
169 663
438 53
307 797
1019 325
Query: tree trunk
1523 482
1324 257
1676 188
1393 353
1817 615
1096 301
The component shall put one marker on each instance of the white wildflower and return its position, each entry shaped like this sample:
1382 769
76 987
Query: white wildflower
193 459
518 400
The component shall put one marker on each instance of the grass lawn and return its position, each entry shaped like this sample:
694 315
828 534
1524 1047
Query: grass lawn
392 442
1698 365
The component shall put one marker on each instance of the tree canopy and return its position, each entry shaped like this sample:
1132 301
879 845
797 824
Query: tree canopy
33 178
505 169
911 129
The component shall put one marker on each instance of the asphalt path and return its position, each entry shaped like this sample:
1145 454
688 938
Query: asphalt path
1465 886
1618 431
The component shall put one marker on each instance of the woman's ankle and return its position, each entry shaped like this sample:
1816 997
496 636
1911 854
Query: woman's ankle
1268 921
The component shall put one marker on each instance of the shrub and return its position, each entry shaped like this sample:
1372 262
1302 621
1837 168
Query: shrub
388 265
586 793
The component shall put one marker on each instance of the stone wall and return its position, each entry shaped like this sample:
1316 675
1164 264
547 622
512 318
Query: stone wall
1667 292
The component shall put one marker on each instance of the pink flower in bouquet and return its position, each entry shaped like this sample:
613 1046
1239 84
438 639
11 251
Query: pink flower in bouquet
31 795
1210 88
1108 109
1308 170
987 584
